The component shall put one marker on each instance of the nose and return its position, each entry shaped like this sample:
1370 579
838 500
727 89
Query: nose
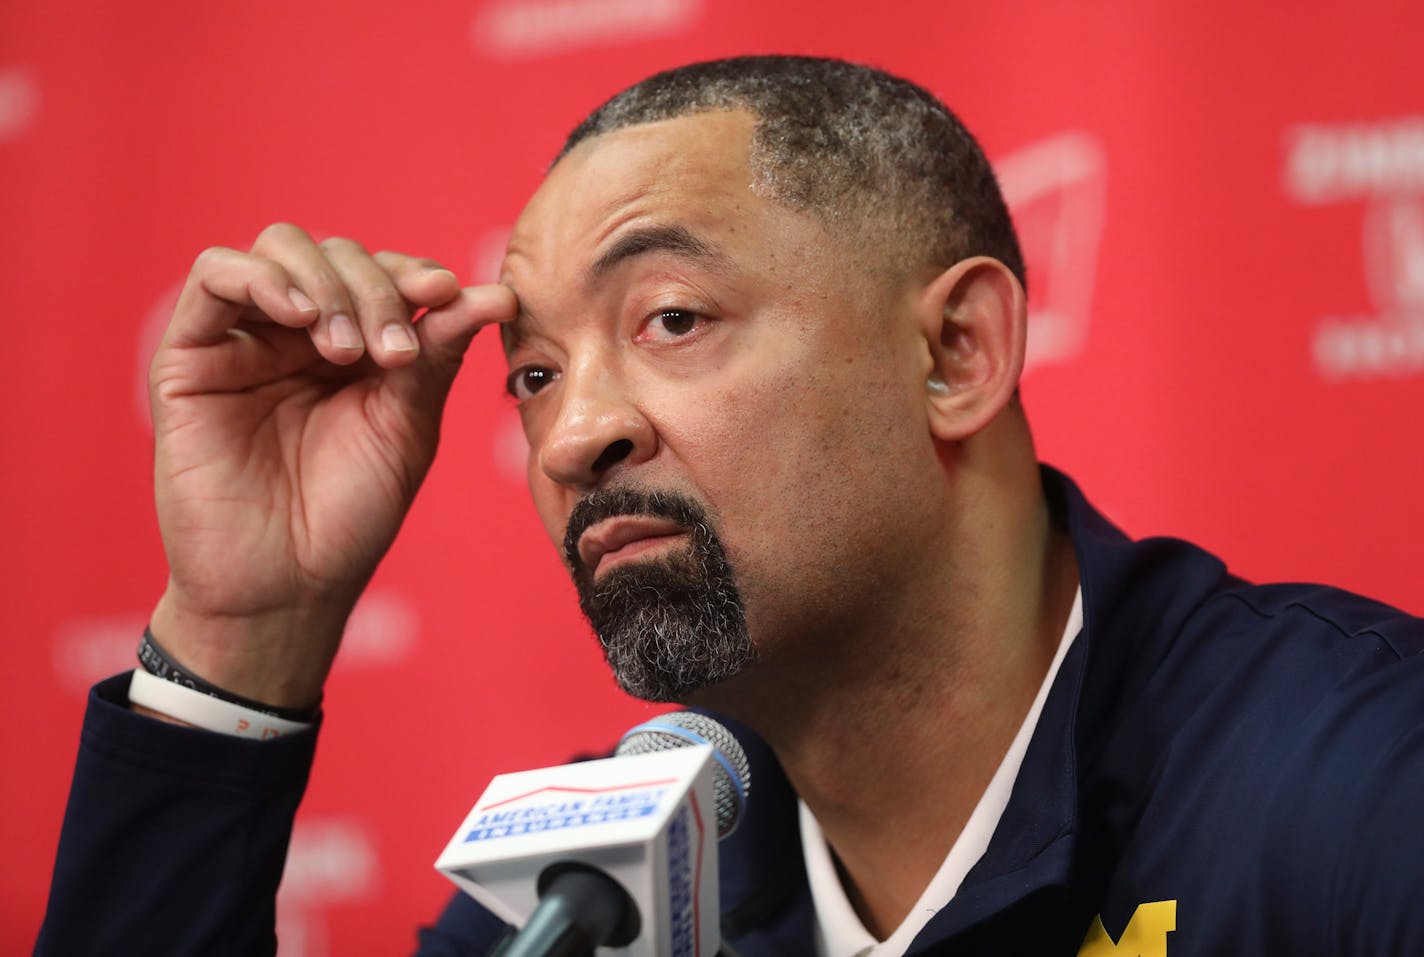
597 427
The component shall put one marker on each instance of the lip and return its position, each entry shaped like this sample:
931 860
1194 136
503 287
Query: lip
623 537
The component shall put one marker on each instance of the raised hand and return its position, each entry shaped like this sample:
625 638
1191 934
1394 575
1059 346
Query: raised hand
296 410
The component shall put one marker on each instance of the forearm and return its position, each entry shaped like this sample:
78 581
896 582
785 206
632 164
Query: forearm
174 838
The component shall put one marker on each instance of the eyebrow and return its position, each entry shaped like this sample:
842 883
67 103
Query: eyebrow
662 238
665 238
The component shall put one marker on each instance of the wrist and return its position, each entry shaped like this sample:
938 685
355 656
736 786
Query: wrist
278 659
160 664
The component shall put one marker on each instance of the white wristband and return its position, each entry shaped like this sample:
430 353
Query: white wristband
205 711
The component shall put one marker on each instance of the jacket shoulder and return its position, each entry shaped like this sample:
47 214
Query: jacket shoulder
1330 613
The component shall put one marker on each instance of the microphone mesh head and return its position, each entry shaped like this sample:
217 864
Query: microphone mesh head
683 729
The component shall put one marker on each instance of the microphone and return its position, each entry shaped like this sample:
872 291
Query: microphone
732 775
616 852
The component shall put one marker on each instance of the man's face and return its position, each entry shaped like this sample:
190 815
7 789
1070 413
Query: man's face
690 353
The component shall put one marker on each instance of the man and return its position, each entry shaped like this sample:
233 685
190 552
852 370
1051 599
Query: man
765 321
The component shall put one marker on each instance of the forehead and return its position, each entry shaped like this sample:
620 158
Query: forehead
686 154
676 194
691 172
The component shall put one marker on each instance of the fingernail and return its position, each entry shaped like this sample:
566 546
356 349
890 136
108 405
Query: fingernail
436 272
343 332
397 338
300 300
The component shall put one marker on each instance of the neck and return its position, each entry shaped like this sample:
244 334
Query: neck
914 711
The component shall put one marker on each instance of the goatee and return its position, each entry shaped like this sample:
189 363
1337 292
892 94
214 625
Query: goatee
670 625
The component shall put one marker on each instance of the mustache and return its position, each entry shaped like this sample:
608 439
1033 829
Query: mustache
615 501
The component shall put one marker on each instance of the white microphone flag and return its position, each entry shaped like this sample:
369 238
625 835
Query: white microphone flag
649 821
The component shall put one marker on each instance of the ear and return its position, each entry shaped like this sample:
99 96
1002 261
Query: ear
974 319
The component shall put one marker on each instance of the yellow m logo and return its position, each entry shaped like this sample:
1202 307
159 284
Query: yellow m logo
1144 936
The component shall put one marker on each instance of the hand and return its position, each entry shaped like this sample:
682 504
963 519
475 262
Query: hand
296 410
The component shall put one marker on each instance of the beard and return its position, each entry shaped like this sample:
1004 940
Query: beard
669 626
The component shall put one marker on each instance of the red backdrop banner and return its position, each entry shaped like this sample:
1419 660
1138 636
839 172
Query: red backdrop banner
1222 206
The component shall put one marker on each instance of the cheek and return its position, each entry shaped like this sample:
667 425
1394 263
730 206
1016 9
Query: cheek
776 454
810 470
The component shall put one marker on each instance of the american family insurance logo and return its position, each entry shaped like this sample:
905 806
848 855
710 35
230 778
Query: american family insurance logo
556 808
514 28
1056 189
1379 167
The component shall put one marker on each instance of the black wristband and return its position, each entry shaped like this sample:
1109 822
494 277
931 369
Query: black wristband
156 662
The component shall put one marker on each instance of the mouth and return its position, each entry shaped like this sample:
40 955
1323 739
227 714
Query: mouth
624 538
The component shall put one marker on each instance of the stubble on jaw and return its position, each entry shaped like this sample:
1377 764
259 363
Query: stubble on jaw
669 626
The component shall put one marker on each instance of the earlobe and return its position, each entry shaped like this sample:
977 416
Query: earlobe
974 322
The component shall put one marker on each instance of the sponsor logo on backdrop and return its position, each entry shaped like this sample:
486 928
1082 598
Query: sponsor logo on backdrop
19 102
382 631
1056 189
330 861
1379 168
514 28
1327 164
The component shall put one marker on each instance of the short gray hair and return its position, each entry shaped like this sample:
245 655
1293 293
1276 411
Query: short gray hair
867 152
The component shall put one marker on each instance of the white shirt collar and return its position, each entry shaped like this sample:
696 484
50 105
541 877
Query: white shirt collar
839 932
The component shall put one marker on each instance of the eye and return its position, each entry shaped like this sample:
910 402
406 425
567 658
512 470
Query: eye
527 380
671 324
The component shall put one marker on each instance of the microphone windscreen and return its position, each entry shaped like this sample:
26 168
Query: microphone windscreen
681 729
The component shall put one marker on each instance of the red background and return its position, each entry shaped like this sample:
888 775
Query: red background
1223 204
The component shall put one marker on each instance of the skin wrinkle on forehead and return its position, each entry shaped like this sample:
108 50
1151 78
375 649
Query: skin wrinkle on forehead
883 233
671 238
667 239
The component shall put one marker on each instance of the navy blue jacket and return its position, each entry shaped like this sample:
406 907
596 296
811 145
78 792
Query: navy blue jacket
1220 768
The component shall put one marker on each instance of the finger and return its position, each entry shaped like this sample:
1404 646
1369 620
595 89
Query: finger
336 335
222 285
454 324
423 282
382 312
445 334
